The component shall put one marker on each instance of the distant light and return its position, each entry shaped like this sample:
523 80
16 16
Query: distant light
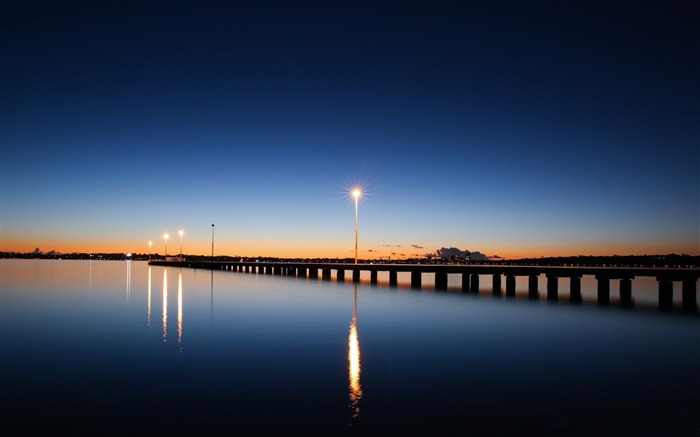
356 193
166 236
128 255
181 233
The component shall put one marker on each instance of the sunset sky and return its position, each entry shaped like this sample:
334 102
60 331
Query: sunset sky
515 129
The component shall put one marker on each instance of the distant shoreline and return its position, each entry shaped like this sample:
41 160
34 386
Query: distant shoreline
668 260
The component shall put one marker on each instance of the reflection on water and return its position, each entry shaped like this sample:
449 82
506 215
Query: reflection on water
165 305
626 372
179 311
128 281
149 298
354 367
211 299
180 306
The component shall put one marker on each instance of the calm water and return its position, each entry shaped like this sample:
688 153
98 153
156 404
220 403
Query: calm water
108 347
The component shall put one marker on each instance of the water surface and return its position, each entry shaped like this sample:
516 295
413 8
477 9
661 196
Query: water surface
114 346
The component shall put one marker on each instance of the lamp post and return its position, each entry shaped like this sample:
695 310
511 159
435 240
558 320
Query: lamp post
356 193
150 244
212 241
181 232
165 237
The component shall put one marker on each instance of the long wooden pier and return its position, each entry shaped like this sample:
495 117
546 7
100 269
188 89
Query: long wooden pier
470 276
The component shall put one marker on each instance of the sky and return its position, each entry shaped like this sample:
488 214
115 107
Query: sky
516 129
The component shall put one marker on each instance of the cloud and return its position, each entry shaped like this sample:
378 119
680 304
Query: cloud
415 246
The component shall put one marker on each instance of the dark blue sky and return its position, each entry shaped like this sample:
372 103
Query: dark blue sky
513 128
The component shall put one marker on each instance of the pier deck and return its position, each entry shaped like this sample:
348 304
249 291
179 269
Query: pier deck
470 276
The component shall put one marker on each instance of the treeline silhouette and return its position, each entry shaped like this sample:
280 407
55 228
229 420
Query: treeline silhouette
670 260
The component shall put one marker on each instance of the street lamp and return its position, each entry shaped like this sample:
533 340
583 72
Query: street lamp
212 241
181 234
165 237
356 193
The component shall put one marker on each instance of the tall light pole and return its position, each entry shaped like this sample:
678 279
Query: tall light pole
165 237
356 193
212 241
181 232
150 244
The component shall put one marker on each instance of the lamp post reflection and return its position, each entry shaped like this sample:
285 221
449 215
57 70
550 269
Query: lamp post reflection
149 299
354 367
179 311
165 305
128 278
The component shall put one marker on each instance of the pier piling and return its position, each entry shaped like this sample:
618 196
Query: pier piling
440 280
393 278
603 289
689 288
475 283
575 288
510 285
626 291
665 294
465 282
533 287
497 284
552 287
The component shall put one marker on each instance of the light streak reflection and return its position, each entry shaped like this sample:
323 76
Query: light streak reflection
165 305
179 311
149 298
354 367
128 281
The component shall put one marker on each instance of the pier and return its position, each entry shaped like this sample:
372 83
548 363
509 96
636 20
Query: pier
470 276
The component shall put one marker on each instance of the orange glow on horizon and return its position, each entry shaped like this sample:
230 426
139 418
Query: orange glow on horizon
341 249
